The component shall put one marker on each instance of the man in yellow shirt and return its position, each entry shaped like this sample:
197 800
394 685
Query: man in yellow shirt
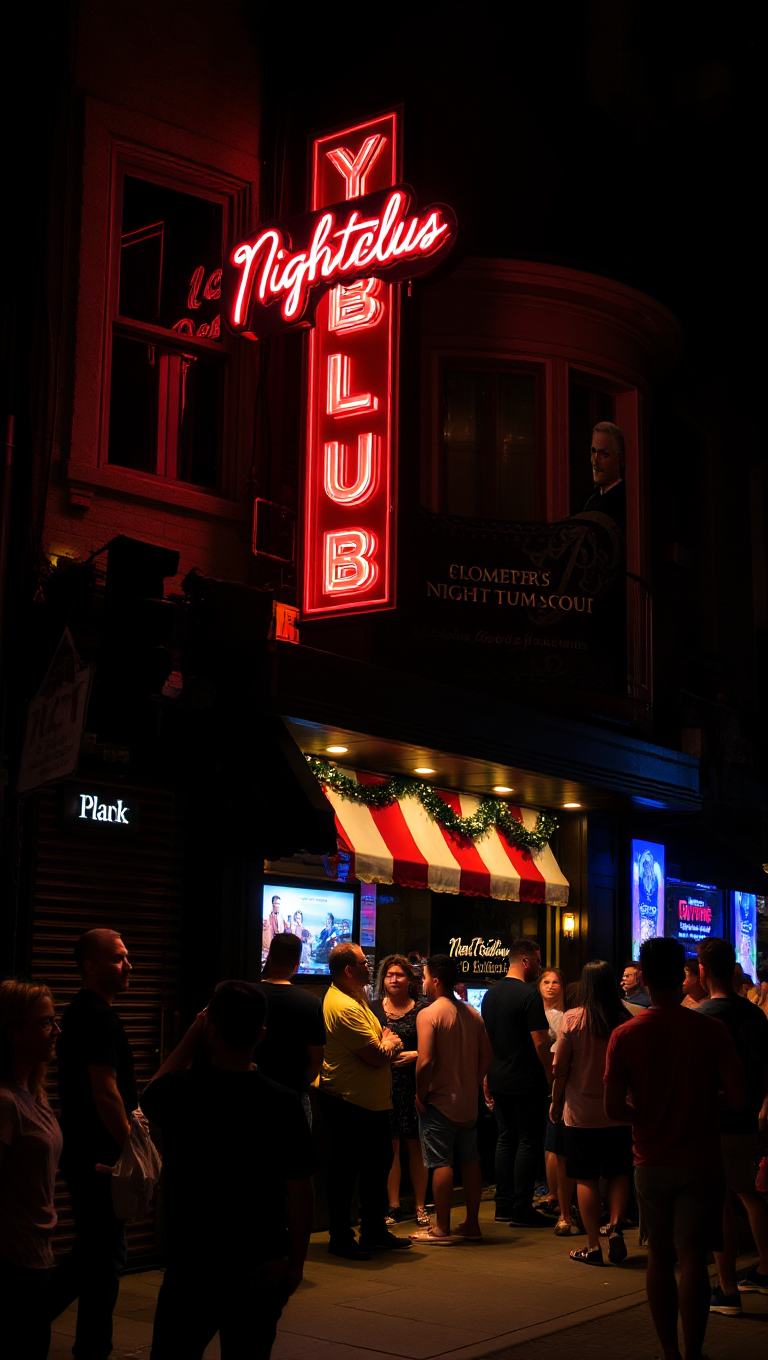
355 1096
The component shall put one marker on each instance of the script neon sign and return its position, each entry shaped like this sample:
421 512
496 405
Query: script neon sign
278 274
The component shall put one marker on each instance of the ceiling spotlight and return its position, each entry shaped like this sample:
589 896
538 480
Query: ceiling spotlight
423 769
337 750
502 788
571 805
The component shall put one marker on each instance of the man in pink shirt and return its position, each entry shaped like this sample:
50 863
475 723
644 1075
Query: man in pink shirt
680 1069
454 1056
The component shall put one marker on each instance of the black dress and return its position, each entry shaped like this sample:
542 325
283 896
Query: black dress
403 1120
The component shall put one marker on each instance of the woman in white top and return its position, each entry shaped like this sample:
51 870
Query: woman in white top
30 1147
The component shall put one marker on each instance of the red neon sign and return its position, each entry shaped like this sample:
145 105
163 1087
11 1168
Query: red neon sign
349 500
277 274
337 270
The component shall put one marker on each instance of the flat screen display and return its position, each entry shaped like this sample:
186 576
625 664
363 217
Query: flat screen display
647 893
475 996
744 924
692 912
321 917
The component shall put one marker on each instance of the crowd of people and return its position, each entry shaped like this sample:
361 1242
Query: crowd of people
647 1100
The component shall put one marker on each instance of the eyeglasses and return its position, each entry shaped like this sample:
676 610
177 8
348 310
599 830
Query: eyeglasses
48 1023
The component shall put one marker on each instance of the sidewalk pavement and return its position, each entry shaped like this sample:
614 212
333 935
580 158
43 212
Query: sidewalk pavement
516 1293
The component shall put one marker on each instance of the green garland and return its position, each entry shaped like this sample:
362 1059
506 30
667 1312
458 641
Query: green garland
491 812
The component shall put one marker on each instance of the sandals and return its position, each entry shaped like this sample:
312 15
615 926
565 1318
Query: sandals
587 1257
428 1238
422 1218
565 1228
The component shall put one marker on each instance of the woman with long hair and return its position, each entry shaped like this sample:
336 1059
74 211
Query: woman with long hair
30 1147
397 1009
559 1184
595 1146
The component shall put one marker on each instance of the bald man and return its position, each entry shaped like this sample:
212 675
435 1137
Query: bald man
98 1094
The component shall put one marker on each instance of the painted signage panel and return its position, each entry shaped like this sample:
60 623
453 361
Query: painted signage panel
744 925
647 893
692 912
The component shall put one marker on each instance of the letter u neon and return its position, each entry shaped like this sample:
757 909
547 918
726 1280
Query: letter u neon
336 462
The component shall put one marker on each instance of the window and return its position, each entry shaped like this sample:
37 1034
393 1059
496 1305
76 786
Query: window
588 403
168 359
490 442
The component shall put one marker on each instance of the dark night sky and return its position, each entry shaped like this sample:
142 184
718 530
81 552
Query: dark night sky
616 137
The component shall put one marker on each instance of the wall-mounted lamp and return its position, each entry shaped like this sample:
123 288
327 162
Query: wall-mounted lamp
569 925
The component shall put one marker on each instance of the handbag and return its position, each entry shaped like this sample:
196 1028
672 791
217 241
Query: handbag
136 1172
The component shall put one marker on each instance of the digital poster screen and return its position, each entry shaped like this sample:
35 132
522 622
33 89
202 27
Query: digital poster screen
744 924
647 893
693 912
321 917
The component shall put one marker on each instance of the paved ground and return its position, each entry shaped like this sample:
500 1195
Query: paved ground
516 1293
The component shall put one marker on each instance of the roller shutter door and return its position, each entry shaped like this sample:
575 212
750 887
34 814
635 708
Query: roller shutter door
133 886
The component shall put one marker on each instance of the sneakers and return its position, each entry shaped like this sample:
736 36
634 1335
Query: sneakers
752 1282
422 1218
349 1251
549 1206
727 1304
388 1243
394 1214
533 1219
617 1251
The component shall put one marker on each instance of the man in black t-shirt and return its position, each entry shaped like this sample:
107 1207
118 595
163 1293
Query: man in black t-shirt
743 1131
238 1160
98 1094
291 1051
518 1082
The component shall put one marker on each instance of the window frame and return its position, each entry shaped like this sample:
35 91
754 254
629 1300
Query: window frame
474 363
198 164
223 348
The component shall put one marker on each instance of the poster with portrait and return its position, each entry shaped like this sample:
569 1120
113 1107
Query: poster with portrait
744 923
321 918
647 893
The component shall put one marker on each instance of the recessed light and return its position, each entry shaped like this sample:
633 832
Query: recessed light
423 769
571 805
337 750
502 788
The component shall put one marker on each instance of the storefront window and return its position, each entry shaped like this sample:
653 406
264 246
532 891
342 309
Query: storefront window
489 466
168 362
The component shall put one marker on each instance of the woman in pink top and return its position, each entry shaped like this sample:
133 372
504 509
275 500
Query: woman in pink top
595 1146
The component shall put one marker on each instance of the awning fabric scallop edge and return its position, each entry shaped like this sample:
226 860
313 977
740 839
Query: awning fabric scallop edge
403 844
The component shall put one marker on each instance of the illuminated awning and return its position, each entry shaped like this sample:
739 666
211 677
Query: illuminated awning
403 844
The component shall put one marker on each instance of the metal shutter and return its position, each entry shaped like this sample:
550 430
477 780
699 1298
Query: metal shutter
132 886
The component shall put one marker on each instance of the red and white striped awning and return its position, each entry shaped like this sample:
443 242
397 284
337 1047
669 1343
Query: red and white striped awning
403 844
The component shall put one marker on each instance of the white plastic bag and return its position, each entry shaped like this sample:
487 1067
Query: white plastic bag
136 1172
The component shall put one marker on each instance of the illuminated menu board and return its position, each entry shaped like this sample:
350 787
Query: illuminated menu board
647 893
692 912
744 923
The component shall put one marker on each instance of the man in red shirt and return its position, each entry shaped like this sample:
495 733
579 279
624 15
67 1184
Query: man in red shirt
680 1069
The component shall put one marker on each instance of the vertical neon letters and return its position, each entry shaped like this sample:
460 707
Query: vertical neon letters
348 530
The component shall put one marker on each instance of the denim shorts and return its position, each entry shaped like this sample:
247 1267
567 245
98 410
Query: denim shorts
443 1142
